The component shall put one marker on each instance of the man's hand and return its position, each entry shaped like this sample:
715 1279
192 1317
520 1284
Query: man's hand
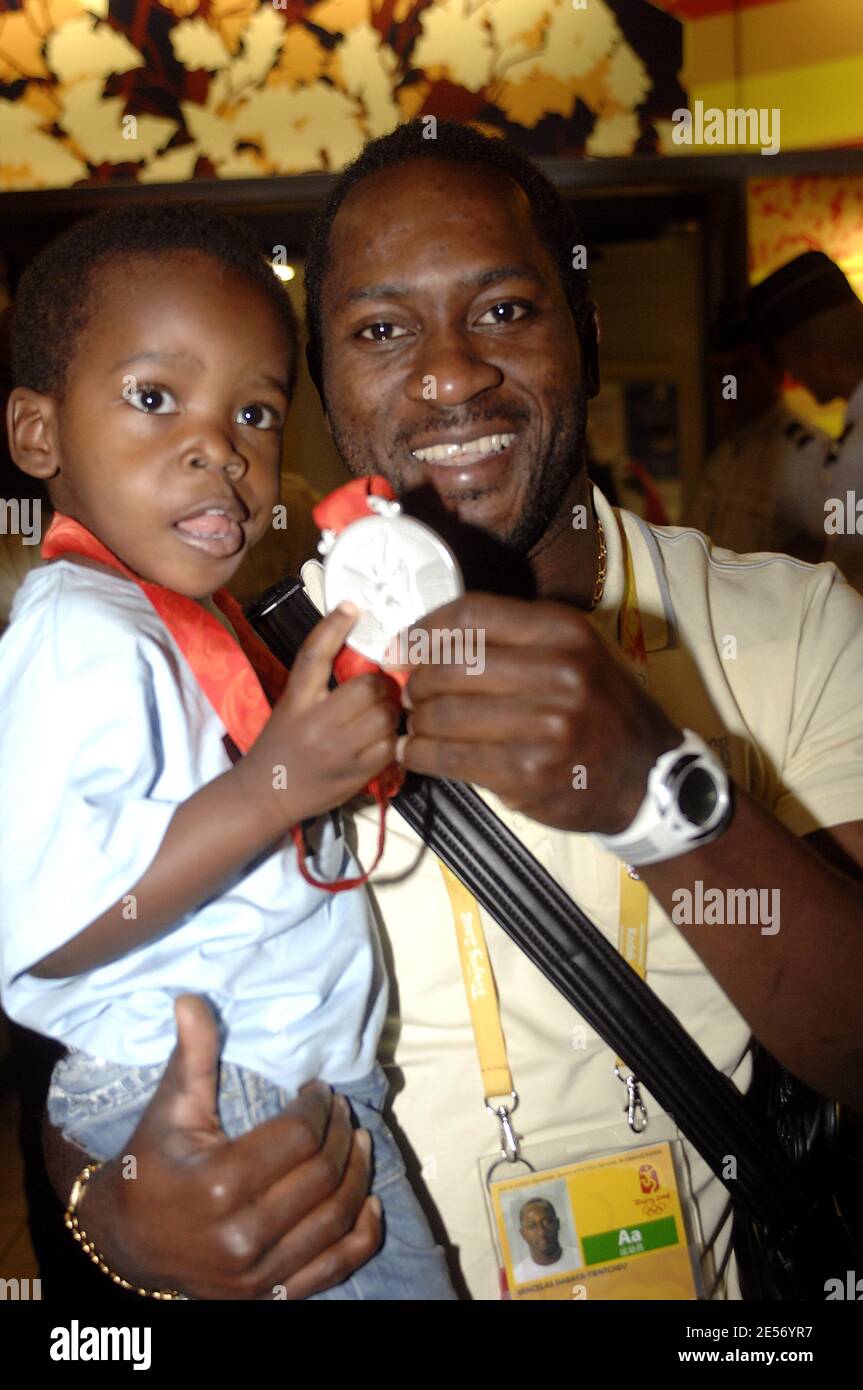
552 698
285 1205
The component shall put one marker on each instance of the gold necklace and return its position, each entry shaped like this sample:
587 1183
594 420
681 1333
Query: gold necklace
600 566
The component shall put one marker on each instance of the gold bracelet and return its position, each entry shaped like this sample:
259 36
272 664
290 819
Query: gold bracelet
80 1235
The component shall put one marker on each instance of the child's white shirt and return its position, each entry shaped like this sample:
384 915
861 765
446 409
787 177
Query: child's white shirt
104 731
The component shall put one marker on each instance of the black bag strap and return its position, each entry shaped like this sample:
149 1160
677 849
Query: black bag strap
553 932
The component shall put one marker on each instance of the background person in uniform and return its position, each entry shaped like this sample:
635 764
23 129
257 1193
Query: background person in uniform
539 1228
760 486
811 315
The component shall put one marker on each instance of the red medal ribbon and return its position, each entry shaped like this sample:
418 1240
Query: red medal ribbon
350 502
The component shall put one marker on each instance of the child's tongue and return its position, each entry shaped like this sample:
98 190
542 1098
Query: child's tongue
204 525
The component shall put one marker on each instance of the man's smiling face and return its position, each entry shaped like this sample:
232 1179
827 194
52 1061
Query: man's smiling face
540 1227
450 355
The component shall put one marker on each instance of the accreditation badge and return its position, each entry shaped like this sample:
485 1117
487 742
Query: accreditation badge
617 1224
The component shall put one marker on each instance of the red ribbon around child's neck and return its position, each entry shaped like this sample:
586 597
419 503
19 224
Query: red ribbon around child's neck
241 679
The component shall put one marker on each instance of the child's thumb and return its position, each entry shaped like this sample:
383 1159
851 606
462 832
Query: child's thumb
313 664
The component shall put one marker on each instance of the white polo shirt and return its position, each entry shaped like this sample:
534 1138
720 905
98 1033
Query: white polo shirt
763 656
104 732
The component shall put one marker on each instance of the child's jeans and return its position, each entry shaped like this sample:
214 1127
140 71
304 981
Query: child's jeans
98 1104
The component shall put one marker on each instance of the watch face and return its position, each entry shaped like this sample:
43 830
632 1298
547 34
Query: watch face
697 795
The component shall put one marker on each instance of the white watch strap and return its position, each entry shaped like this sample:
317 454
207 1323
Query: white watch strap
660 831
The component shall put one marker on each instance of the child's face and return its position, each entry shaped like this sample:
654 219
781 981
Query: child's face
175 403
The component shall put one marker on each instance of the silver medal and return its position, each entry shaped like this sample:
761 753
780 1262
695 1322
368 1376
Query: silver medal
394 568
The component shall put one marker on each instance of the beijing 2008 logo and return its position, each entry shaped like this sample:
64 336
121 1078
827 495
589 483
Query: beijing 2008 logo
648 1178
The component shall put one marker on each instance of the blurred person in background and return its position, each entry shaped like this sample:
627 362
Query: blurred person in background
813 318
760 488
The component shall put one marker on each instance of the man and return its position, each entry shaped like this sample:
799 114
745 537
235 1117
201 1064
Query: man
760 488
539 1228
446 266
810 313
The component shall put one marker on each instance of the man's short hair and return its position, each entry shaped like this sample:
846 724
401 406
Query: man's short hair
536 1202
555 220
57 294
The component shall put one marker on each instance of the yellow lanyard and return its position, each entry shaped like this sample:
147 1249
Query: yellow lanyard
634 898
476 968
480 986
484 1008
632 930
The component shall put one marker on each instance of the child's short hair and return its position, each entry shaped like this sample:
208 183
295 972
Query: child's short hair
55 298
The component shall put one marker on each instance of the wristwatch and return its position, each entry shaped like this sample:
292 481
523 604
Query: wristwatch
689 802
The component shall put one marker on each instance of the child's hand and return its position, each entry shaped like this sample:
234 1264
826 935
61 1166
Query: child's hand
321 746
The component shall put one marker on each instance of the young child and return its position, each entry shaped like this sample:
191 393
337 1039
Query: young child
147 793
